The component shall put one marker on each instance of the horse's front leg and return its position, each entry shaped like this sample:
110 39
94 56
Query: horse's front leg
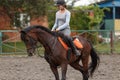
64 70
55 72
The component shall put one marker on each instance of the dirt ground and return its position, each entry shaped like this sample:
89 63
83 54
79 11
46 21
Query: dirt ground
36 68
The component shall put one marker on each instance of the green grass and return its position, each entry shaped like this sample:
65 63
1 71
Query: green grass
13 47
103 48
9 48
117 47
17 48
106 47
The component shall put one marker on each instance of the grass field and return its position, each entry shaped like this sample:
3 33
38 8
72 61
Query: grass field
19 47
12 46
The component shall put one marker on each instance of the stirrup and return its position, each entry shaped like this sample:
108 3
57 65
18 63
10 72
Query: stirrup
78 53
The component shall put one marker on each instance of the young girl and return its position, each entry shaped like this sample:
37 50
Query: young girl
62 19
62 23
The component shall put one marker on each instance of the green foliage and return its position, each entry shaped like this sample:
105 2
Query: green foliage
80 17
33 8
51 17
11 6
52 8
87 18
84 20
79 20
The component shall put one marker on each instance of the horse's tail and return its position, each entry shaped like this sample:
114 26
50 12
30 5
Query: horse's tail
95 61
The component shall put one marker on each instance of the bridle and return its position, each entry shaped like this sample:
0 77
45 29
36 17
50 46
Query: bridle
36 47
32 41
33 46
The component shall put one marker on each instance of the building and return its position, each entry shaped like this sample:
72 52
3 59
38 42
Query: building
112 18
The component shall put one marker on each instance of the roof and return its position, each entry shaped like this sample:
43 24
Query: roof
109 3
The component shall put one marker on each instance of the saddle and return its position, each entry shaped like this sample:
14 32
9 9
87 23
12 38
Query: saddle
76 42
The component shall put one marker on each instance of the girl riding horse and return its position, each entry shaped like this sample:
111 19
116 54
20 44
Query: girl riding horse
56 55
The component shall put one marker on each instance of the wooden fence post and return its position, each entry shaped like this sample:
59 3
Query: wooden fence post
111 42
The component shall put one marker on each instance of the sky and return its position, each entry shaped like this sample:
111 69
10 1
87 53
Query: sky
83 2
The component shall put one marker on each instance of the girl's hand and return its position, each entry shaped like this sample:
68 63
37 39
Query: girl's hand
56 30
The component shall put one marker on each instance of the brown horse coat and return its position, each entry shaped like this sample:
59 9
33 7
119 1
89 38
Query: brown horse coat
56 55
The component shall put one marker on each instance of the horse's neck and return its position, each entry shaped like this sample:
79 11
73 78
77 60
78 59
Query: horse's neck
47 41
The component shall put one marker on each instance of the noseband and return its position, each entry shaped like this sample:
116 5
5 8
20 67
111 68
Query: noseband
32 41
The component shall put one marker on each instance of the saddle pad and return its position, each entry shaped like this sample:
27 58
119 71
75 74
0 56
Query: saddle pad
77 43
63 43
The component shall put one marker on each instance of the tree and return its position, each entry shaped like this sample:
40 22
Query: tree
33 8
81 18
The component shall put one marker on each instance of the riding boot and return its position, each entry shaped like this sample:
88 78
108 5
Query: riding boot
77 52
73 47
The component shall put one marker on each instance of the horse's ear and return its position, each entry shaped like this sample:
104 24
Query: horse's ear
22 31
19 29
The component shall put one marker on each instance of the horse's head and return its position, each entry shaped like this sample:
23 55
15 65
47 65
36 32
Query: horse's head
30 40
33 34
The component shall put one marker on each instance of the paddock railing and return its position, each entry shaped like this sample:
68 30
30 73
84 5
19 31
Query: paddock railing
104 41
10 42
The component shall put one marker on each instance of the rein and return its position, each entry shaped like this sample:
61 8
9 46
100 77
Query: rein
54 42
32 41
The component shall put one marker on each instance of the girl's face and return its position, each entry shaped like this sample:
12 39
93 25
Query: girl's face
61 7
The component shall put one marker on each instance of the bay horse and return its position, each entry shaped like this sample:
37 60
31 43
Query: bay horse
56 55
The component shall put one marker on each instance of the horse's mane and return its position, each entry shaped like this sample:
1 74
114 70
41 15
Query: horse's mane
26 30
38 27
57 34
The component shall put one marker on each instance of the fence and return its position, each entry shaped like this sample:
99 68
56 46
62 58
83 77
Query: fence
10 42
104 41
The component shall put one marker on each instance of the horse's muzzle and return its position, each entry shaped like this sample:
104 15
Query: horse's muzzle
30 52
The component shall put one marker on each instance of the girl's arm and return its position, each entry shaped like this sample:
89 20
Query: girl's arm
68 15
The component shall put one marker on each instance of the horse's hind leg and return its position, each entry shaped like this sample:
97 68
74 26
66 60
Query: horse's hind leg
77 66
85 61
55 71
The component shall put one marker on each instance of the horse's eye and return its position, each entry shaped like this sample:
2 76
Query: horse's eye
26 40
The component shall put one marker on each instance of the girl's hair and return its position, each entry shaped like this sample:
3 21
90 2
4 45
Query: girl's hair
61 2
